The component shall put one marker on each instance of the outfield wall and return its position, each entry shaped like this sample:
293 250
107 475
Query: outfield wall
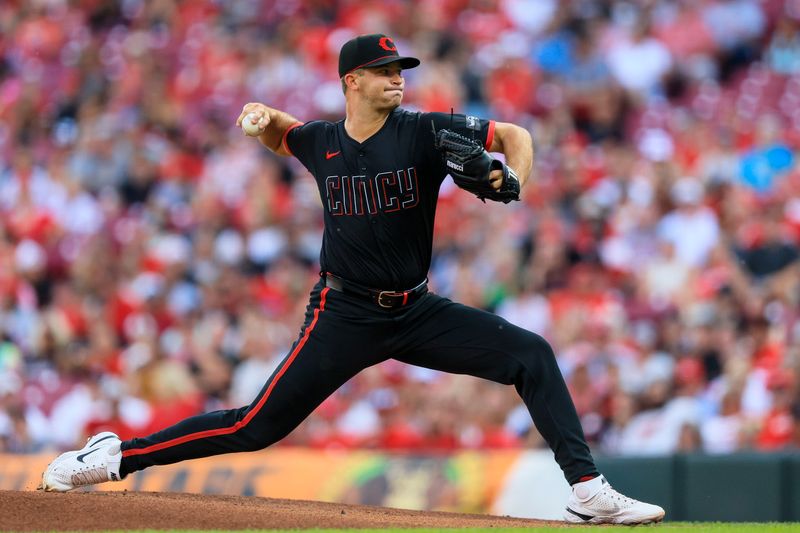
740 487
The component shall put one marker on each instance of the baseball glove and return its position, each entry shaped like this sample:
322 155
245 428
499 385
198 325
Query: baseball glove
470 165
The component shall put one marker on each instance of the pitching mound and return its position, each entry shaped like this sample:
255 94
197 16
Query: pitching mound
88 511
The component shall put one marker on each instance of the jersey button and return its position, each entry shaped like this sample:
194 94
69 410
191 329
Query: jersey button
360 154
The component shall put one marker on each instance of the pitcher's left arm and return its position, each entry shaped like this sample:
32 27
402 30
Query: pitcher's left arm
516 144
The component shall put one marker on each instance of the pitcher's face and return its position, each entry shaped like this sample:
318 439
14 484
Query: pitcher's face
383 86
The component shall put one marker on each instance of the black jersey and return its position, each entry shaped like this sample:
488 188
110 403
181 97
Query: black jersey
380 196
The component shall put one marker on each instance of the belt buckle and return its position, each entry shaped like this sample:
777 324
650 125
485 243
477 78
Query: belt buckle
388 294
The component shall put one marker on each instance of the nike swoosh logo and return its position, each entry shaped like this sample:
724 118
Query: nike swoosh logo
328 155
80 457
584 517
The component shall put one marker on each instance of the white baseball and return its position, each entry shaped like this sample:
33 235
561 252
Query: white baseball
250 128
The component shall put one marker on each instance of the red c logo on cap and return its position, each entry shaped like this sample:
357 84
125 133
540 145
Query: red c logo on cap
387 44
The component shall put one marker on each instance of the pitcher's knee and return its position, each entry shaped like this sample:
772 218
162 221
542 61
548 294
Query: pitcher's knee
538 354
542 346
254 433
253 438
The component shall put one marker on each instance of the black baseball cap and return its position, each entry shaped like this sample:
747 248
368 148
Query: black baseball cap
371 51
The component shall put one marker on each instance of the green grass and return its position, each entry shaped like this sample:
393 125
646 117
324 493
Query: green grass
669 527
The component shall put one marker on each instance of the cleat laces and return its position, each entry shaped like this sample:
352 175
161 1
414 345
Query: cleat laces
90 476
610 492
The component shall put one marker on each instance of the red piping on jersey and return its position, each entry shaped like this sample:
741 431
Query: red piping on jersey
405 297
371 61
285 133
253 412
490 135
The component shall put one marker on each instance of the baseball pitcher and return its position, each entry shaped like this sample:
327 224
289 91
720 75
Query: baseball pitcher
378 172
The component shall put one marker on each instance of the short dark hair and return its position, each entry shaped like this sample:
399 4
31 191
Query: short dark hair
358 71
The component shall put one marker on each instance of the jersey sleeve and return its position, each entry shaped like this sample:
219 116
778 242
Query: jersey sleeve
301 140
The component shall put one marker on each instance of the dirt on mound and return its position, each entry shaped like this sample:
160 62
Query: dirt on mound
90 511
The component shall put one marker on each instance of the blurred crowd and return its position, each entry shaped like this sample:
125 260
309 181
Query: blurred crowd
155 263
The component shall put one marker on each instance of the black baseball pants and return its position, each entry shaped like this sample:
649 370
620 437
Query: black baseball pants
343 334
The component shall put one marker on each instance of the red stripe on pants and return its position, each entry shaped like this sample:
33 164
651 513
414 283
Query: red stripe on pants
253 412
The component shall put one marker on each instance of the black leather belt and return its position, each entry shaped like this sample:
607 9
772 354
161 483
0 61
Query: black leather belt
384 299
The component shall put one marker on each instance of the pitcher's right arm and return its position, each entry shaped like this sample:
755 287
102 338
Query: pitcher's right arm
273 125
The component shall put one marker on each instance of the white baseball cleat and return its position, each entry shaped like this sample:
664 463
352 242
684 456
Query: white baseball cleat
596 502
97 462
